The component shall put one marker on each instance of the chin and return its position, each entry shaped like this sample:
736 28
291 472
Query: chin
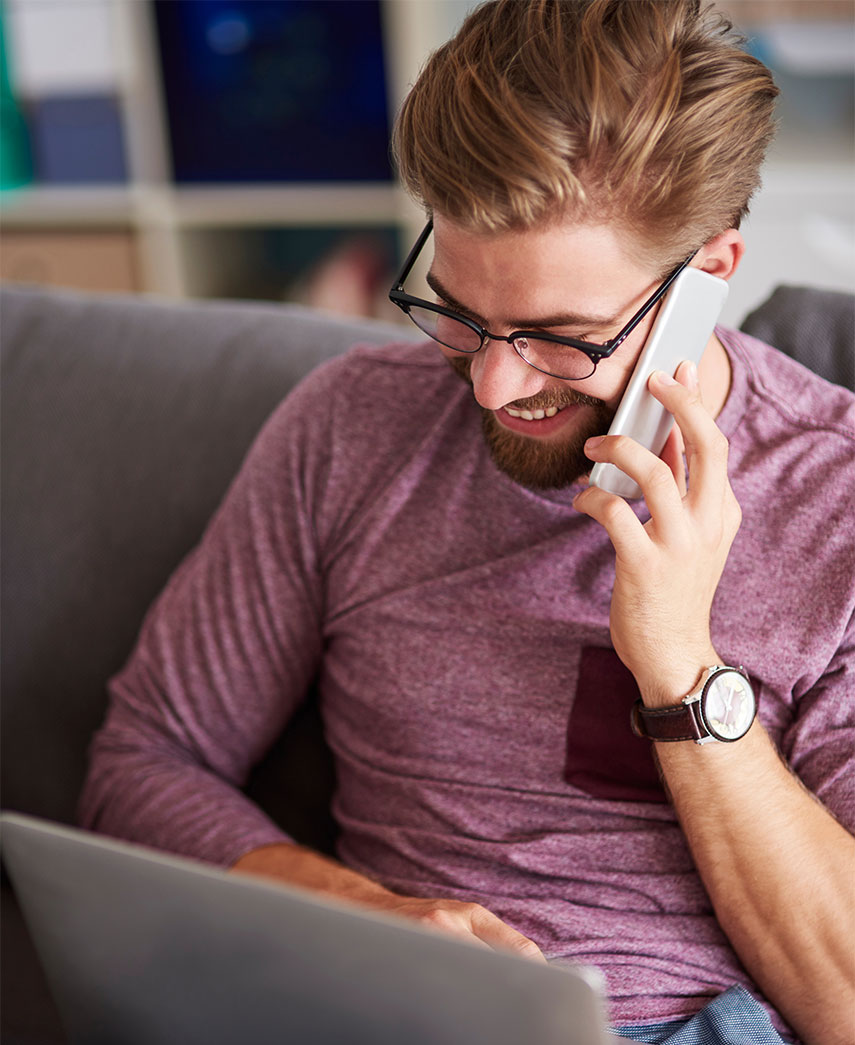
540 464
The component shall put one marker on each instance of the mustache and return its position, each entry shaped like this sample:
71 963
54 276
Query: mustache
557 397
549 397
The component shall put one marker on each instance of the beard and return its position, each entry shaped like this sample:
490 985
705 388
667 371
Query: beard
539 464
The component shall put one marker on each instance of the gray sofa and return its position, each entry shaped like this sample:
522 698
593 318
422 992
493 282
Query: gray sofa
123 421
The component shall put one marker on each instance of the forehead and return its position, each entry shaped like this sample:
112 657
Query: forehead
589 268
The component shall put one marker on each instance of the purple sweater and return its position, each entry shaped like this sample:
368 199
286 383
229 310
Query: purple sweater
459 625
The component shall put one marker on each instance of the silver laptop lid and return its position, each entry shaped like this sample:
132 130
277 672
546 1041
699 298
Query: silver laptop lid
141 948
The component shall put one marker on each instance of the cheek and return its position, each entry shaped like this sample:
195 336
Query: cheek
613 374
613 395
460 364
609 382
457 359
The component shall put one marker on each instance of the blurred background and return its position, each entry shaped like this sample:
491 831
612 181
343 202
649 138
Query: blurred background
238 148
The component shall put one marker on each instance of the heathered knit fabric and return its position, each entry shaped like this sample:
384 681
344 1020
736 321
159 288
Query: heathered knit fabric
459 623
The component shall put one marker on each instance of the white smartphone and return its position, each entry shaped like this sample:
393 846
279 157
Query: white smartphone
681 331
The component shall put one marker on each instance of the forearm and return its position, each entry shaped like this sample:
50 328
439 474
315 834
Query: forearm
779 872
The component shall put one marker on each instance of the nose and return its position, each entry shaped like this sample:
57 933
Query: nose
500 376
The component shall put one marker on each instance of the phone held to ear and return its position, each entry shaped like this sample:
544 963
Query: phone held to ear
681 331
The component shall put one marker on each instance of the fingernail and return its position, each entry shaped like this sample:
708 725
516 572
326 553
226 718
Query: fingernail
663 378
593 442
692 375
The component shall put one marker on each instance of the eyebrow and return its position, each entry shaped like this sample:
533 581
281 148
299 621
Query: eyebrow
572 319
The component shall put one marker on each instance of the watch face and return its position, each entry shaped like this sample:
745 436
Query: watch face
728 705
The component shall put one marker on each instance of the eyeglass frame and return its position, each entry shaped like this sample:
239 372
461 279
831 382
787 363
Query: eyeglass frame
596 352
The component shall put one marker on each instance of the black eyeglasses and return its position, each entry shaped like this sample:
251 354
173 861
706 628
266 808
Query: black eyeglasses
567 358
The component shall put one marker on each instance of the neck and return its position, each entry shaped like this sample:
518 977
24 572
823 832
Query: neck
714 375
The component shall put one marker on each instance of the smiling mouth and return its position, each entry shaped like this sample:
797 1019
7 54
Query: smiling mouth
542 407
525 437
534 415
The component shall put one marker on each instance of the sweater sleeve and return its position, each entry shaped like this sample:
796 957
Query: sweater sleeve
225 655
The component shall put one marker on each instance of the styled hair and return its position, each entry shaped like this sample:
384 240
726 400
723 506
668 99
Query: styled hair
643 112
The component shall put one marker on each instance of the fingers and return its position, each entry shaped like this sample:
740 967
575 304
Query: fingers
470 922
672 455
614 515
705 445
695 432
498 934
653 475
708 495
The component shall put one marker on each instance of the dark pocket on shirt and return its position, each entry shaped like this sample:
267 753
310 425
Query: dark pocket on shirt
604 757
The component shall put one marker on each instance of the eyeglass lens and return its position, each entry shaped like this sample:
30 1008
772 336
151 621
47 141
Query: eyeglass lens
562 361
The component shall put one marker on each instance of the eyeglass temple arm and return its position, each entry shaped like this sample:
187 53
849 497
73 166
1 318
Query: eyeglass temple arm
660 293
414 253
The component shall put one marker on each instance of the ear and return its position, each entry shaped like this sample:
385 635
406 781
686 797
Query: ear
721 255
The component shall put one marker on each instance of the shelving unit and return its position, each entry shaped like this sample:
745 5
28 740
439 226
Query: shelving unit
159 217
204 240
162 223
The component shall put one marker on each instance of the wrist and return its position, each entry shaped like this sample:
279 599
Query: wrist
296 865
671 682
721 707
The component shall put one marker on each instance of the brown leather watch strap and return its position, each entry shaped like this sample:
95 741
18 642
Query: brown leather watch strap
673 723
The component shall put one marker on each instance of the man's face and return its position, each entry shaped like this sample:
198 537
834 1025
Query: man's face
580 280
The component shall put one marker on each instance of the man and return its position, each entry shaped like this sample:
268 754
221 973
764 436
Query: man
481 622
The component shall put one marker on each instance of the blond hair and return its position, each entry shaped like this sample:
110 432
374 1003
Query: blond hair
644 112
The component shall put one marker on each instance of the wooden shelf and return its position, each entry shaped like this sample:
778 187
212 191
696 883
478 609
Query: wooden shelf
277 205
69 207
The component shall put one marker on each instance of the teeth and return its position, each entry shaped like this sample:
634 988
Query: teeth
534 415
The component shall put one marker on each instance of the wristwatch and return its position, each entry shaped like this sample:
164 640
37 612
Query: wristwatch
721 708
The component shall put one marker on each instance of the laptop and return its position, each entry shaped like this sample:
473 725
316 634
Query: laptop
143 948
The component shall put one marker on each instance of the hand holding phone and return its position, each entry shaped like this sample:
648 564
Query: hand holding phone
681 331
